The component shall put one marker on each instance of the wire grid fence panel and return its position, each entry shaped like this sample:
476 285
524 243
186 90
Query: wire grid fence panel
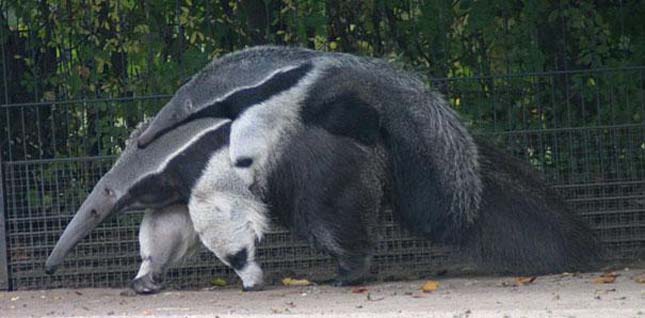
44 194
584 130
70 129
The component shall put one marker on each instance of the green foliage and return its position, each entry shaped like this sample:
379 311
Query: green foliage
86 49
125 47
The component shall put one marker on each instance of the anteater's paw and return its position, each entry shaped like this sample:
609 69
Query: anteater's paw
254 288
145 285
344 281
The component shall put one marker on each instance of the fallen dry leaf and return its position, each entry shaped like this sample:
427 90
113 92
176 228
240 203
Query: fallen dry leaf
359 290
281 311
521 281
606 278
430 286
276 310
147 312
640 279
295 282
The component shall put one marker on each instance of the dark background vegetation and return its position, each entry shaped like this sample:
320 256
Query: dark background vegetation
88 49
558 83
97 48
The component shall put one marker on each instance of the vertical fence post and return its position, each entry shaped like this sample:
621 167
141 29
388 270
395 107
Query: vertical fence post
4 274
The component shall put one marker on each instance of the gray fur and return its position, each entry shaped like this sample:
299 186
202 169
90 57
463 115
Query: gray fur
433 166
134 165
404 103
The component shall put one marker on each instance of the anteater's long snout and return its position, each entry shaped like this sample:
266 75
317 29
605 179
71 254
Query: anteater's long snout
98 205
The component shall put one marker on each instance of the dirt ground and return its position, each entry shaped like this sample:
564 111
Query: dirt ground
563 295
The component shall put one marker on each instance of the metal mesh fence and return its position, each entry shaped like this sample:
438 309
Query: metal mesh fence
583 129
42 197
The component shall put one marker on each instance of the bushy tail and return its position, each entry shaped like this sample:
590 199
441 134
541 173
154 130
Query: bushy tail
437 186
523 226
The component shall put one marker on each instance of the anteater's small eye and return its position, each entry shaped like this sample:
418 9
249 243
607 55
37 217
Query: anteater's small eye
108 192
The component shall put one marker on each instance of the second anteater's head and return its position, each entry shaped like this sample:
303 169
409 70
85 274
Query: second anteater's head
229 86
155 177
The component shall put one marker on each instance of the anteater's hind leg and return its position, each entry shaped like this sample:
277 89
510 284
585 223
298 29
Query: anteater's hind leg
328 189
352 270
344 230
349 243
165 237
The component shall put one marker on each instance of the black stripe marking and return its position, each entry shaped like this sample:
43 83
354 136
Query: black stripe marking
238 260
183 171
345 114
235 104
189 165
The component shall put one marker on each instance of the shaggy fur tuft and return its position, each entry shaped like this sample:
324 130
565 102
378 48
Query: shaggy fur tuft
433 160
524 227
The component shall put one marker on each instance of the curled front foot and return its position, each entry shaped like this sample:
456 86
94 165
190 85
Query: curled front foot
344 282
254 288
145 285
